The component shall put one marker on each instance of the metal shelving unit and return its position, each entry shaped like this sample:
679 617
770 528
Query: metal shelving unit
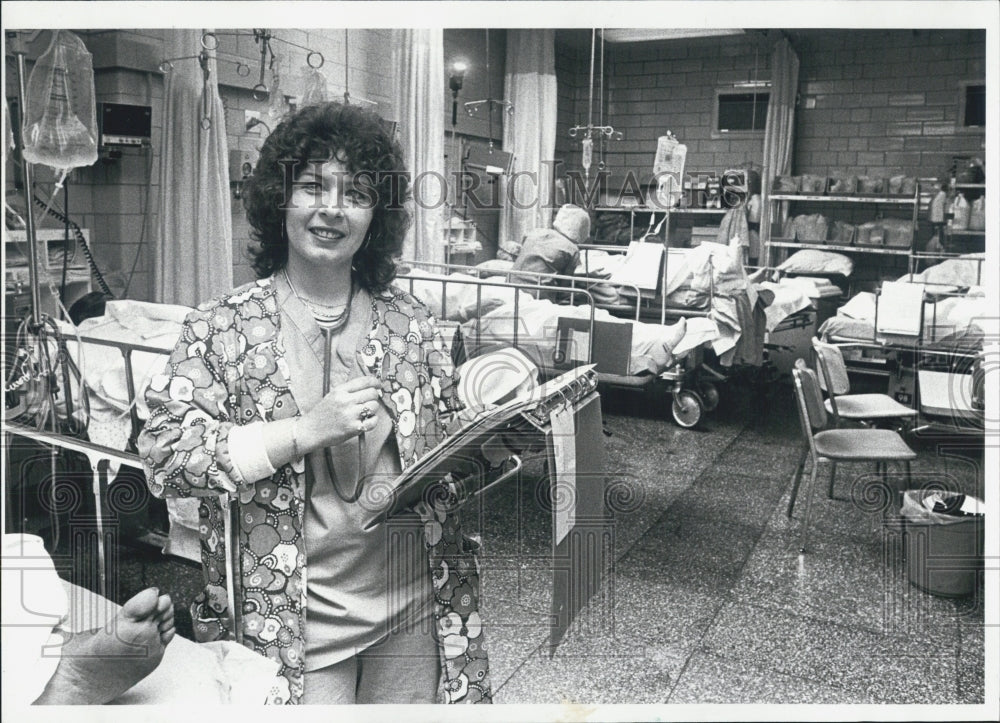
671 212
769 242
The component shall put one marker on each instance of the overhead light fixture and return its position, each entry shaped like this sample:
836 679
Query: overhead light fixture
640 35
752 84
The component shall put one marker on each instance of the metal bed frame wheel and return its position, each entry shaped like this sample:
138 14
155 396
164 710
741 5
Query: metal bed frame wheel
687 408
709 395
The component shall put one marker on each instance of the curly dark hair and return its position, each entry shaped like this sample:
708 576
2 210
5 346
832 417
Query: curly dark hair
358 138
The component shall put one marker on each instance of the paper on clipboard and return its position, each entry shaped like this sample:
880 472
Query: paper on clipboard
435 464
563 430
899 308
641 267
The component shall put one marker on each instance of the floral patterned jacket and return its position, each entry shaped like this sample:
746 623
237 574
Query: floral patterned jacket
229 368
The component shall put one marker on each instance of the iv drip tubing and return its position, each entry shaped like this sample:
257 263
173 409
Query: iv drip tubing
347 69
29 180
489 88
600 106
590 102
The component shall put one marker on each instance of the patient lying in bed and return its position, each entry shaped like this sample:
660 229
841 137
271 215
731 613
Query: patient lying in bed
492 312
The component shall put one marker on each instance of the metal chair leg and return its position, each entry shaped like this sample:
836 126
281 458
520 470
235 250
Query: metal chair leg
809 501
796 478
833 476
882 470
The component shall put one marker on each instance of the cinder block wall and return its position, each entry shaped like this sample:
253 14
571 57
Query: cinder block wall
571 88
653 87
871 101
881 102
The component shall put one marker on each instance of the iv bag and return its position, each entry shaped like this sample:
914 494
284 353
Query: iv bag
315 87
278 106
60 120
668 169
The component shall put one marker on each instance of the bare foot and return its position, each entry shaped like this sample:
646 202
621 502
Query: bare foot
99 665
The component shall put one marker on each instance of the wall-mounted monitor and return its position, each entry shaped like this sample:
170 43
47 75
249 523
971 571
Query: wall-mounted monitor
125 125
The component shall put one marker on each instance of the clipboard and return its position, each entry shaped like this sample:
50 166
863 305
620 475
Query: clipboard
469 447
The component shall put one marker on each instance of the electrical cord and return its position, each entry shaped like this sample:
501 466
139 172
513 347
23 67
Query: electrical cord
142 230
81 241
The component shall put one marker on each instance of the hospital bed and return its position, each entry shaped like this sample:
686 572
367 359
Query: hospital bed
925 334
497 311
108 361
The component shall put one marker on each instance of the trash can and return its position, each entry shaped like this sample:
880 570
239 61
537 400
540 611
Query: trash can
944 548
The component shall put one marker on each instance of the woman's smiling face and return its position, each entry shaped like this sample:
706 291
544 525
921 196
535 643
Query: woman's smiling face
327 218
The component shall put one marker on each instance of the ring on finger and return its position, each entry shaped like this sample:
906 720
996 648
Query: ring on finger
366 413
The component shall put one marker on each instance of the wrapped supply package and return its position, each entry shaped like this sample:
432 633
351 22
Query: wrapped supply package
902 185
842 185
786 184
60 119
807 227
898 232
813 185
870 233
871 186
842 233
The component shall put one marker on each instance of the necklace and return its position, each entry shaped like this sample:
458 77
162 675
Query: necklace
329 316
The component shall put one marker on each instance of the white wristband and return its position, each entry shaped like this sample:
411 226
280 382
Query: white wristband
248 452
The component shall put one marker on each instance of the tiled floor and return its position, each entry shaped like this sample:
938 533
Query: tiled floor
710 601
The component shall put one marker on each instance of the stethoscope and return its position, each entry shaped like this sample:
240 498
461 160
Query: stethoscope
327 453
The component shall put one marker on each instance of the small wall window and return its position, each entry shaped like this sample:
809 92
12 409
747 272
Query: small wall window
740 112
972 105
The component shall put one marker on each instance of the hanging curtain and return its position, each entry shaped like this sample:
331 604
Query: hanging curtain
418 60
530 133
193 259
779 130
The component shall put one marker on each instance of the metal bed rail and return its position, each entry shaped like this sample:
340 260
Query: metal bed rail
916 353
105 462
414 275
679 379
541 278
666 310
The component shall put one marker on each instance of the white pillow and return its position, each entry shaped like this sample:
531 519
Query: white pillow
965 271
861 307
813 261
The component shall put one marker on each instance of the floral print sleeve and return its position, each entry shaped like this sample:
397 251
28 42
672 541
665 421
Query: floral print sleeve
184 444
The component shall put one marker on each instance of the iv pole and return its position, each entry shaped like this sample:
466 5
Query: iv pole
29 183
589 131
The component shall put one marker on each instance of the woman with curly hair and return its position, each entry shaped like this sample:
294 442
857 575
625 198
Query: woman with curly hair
302 396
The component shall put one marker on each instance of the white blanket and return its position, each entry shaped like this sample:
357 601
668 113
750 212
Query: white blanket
103 371
103 367
537 323
461 298
948 315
